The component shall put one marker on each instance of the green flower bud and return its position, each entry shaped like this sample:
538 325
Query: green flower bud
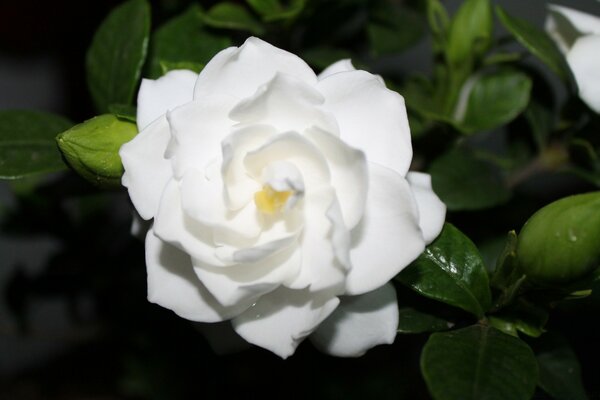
92 148
561 242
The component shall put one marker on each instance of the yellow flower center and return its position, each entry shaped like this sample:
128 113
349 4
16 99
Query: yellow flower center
270 201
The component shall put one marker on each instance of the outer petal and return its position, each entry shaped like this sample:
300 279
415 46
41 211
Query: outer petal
584 60
156 97
173 285
370 116
432 211
280 320
287 103
565 25
338 66
359 323
388 238
238 72
144 162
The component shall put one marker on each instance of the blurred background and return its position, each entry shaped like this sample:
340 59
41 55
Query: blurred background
74 321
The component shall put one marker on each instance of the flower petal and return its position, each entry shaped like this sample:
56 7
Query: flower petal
338 66
359 323
172 284
566 24
247 281
280 320
349 176
238 72
286 103
174 227
388 237
432 211
143 161
584 60
156 97
370 117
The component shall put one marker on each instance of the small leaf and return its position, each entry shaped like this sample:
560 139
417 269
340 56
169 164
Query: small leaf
118 51
92 148
560 372
167 66
414 321
232 16
393 29
541 121
478 362
523 316
27 143
184 39
536 41
123 111
494 99
470 32
465 182
273 10
451 270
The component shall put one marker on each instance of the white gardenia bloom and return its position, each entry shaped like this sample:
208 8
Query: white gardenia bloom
281 200
577 35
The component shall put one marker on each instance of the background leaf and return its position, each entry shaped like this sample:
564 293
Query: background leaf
478 362
470 32
536 41
465 182
232 16
414 321
27 143
273 10
118 51
183 39
392 29
451 270
494 99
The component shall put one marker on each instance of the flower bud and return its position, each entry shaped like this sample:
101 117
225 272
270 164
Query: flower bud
561 242
92 148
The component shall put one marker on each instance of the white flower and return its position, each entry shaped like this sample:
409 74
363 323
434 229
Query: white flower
280 200
577 35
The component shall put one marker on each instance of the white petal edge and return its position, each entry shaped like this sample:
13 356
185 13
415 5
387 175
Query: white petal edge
389 237
173 284
344 65
584 60
432 211
281 320
144 162
156 97
359 323
370 117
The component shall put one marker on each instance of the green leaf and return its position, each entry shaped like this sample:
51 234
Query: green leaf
494 99
167 66
560 372
184 39
273 10
414 321
393 29
27 143
122 111
478 362
541 121
523 316
92 148
465 182
322 57
118 51
536 41
470 33
232 16
451 270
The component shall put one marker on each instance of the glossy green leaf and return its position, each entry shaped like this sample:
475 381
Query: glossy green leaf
184 39
536 41
232 16
27 143
494 99
274 10
118 51
465 182
478 362
560 372
92 148
523 316
470 32
392 29
451 270
414 321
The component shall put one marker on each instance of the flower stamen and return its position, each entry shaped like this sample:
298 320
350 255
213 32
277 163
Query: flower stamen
270 201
